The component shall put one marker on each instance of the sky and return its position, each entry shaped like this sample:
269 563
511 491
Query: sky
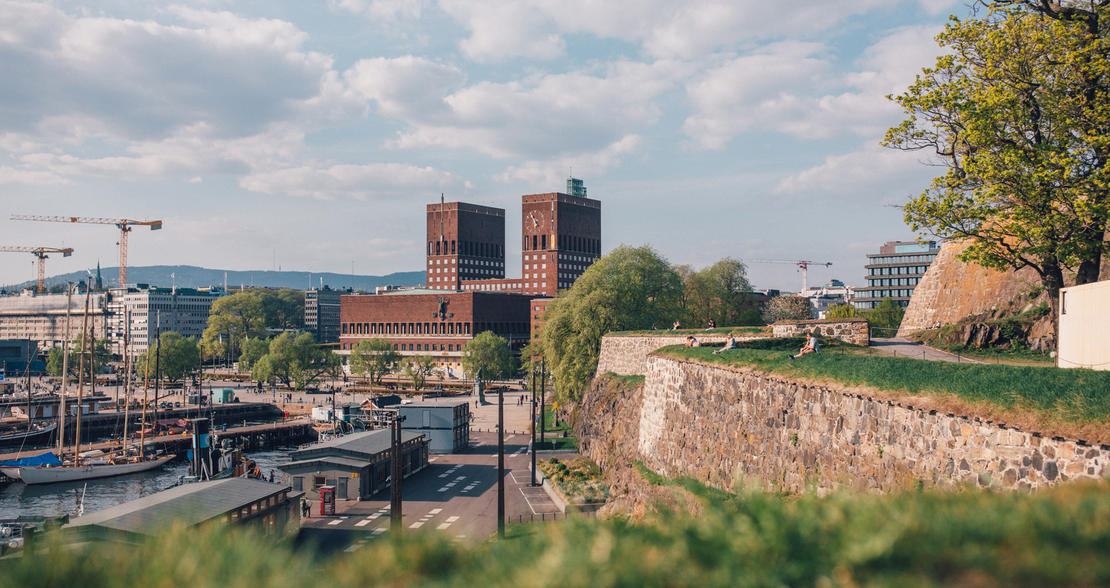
309 135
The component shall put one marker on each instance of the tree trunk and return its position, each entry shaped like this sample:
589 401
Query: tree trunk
1052 277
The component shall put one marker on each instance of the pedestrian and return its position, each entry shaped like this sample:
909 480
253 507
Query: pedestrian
675 326
811 346
730 343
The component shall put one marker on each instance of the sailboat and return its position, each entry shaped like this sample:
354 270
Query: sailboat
96 464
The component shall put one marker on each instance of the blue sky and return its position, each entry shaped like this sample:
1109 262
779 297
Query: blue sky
315 132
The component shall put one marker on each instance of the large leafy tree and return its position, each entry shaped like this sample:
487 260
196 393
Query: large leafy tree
176 357
374 358
101 355
1018 111
630 288
885 317
232 319
417 368
488 353
253 350
296 361
720 292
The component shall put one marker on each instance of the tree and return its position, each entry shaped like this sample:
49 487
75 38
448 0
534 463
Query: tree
295 361
840 311
886 316
253 350
282 308
101 355
1019 113
788 308
720 292
488 353
374 358
417 368
232 319
178 357
630 288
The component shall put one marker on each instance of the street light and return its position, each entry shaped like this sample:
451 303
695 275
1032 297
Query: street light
396 471
501 462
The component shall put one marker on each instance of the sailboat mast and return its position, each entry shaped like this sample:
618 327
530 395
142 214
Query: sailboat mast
65 373
81 375
126 377
146 372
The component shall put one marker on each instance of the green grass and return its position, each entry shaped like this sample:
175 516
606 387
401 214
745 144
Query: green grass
553 434
1019 356
717 331
625 381
1055 537
1056 397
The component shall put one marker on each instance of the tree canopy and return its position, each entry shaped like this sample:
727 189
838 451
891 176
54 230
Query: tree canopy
251 313
1018 111
630 288
720 292
374 358
178 356
417 368
296 361
489 353
101 355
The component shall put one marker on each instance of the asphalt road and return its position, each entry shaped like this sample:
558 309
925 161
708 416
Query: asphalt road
455 495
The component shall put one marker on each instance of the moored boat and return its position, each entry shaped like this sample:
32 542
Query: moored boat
88 471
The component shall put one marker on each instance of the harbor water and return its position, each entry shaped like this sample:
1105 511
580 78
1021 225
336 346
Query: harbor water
65 498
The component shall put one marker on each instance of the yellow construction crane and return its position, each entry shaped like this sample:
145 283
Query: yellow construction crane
123 224
802 263
41 254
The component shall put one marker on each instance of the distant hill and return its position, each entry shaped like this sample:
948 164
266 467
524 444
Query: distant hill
188 276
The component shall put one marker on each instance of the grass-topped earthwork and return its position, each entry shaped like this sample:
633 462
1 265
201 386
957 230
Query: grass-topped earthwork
736 331
1071 402
558 434
578 479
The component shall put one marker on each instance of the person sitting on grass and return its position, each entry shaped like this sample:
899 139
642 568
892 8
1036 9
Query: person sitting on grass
676 326
712 325
811 346
730 343
692 342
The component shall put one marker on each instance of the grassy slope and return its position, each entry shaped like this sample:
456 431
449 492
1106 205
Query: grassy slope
1055 537
746 331
1074 403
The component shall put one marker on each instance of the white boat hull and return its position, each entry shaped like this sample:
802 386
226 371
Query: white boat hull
50 475
11 472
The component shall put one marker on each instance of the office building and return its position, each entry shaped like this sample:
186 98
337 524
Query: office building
153 310
321 314
894 272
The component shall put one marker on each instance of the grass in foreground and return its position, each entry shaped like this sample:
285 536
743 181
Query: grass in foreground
1057 537
1070 402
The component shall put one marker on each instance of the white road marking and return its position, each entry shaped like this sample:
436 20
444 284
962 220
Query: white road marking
335 522
452 519
443 489
435 511
379 531
460 478
364 522
416 525
443 526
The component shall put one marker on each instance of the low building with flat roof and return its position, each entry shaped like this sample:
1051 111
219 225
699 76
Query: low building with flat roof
446 423
269 507
356 465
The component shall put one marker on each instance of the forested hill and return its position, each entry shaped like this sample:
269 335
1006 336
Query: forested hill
188 276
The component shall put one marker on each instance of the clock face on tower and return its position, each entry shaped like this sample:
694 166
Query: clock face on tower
535 220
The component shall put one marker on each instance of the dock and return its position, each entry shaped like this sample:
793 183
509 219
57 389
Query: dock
248 438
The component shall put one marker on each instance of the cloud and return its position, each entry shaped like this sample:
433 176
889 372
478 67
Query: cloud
376 180
381 9
870 174
540 117
550 172
778 88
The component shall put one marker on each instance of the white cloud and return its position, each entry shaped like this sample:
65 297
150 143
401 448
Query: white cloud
550 172
777 88
540 117
381 9
377 180
502 30
870 174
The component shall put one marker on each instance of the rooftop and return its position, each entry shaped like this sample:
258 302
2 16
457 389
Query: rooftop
189 503
370 442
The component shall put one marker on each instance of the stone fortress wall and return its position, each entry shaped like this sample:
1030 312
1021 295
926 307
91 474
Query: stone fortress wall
717 424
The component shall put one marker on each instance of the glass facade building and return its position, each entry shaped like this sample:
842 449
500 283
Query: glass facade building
895 271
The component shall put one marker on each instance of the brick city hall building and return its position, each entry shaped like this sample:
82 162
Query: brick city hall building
467 292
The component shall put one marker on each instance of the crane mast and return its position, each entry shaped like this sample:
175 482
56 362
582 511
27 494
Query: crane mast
803 264
40 254
123 224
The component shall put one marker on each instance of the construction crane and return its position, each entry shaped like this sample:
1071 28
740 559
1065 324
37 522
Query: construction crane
802 263
41 254
123 224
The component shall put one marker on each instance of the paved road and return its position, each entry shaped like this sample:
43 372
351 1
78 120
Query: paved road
455 495
902 347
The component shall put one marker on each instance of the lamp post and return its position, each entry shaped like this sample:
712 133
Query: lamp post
543 397
396 472
501 462
532 410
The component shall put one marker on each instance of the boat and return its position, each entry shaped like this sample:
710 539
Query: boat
87 471
11 467
31 434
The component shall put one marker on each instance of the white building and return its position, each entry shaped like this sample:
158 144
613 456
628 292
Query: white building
157 310
833 293
42 317
1084 330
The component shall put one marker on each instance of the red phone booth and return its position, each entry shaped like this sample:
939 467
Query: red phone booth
327 500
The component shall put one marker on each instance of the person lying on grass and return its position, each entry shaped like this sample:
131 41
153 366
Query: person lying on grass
811 346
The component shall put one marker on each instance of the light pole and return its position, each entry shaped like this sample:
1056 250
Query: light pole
532 410
396 471
501 462
543 397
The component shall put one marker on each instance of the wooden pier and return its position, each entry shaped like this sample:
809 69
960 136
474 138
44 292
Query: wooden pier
249 438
